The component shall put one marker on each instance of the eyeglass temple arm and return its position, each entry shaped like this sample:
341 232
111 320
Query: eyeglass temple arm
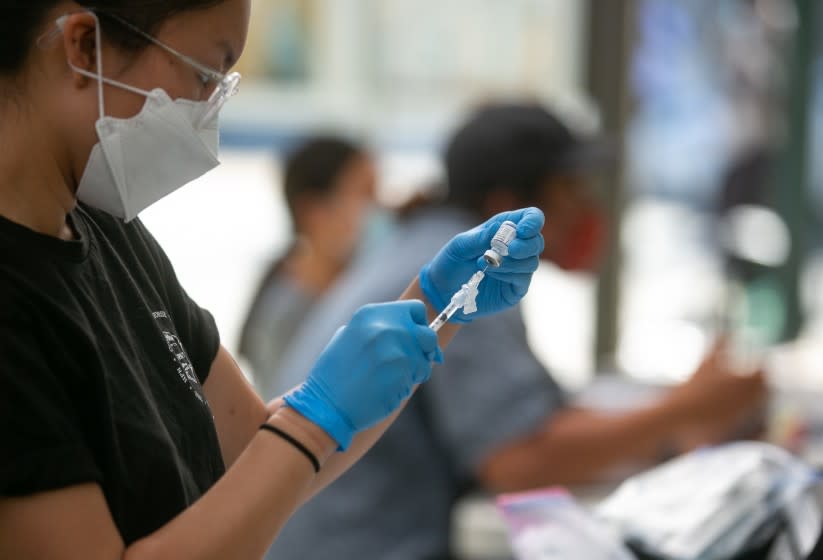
61 23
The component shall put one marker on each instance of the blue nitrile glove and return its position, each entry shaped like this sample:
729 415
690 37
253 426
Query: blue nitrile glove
503 287
368 369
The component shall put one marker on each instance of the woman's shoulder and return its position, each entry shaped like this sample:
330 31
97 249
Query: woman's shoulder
99 223
27 286
129 242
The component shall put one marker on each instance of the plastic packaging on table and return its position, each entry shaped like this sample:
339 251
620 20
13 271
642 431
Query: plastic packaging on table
550 525
716 503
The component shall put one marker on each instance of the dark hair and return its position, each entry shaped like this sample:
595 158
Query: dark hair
514 146
23 21
313 168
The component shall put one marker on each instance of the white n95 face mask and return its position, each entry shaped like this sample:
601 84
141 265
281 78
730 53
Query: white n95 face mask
142 159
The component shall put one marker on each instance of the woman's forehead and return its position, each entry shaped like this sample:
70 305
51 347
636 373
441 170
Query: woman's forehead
223 26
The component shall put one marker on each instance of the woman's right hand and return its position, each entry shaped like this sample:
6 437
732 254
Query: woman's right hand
368 369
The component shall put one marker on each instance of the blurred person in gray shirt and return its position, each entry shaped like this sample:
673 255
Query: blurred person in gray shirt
491 417
329 187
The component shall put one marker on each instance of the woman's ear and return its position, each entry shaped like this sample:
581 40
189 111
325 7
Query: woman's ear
80 43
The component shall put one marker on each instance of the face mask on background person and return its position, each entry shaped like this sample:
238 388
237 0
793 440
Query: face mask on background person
142 159
379 225
585 243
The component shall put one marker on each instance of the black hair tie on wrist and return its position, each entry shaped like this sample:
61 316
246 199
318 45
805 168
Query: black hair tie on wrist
297 445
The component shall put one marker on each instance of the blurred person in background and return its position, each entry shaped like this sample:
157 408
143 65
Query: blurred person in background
514 429
330 188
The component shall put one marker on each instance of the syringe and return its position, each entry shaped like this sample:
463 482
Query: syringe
464 297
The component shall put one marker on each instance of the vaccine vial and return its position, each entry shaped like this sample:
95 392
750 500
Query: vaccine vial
500 244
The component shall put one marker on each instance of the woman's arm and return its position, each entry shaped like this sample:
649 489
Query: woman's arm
238 410
578 445
237 518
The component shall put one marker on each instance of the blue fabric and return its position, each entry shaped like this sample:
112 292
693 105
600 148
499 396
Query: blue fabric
269 328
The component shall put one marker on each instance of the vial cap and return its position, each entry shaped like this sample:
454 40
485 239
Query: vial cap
493 258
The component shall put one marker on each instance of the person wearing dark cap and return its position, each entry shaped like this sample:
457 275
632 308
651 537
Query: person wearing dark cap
513 428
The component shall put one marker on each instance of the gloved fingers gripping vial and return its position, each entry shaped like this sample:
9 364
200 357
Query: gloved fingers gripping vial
466 297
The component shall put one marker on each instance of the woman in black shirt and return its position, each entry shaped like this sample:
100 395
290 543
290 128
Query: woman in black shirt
126 430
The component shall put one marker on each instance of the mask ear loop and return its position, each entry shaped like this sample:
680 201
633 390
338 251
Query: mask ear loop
98 34
98 51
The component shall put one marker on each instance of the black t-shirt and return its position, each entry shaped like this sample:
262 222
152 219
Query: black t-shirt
102 361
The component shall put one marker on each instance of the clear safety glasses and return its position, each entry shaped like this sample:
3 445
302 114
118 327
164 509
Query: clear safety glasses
222 86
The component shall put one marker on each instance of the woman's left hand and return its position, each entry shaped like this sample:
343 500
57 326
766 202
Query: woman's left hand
504 286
